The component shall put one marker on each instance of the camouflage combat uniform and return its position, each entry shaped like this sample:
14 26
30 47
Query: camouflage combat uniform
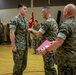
36 40
49 30
1 34
8 33
20 57
66 54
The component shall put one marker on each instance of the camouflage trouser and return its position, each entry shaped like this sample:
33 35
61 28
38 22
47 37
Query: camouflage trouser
49 64
66 70
35 44
20 61
1 39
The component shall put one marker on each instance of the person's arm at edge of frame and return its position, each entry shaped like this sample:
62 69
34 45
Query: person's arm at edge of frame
55 44
12 38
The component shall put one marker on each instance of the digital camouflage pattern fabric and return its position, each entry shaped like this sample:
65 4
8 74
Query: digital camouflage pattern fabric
66 55
49 30
20 24
36 39
20 57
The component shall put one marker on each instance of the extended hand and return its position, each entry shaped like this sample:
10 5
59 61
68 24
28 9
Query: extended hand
30 29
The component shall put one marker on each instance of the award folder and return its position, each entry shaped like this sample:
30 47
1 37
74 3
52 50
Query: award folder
46 43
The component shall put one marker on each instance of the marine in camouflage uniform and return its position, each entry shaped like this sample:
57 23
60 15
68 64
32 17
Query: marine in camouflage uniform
8 33
1 33
36 39
20 56
66 54
48 31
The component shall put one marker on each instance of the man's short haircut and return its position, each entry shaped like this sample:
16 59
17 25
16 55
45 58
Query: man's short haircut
21 5
46 7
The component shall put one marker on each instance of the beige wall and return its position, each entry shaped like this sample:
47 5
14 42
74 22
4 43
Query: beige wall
7 14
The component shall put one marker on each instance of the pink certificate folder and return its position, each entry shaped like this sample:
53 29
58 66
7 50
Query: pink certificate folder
46 42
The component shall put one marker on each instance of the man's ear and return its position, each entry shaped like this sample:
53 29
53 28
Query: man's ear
19 8
69 13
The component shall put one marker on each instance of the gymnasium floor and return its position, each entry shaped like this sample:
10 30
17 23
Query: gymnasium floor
34 65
